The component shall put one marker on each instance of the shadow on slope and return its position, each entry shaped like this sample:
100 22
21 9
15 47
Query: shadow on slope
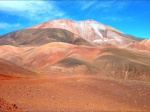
38 37
73 66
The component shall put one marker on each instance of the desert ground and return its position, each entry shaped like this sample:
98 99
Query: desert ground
76 94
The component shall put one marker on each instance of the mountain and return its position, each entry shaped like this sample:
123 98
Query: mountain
77 47
88 32
66 65
74 47
91 31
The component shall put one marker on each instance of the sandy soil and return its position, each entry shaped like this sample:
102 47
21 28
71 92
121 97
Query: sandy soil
77 93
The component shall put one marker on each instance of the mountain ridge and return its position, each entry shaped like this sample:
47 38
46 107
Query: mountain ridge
90 30
95 33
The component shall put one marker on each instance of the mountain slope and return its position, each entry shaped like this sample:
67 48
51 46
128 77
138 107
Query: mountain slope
114 62
73 66
143 45
90 30
45 55
125 64
86 32
72 59
9 70
36 37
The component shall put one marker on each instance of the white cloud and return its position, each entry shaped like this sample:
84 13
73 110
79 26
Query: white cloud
111 5
34 10
86 4
113 18
104 4
4 25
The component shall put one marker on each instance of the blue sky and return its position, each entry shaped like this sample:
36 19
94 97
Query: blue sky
129 16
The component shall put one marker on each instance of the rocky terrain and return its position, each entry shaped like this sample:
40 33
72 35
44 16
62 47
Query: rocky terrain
7 107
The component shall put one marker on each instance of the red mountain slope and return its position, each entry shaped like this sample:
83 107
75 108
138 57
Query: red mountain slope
143 45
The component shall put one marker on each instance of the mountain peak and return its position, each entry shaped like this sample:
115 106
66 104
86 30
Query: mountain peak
67 23
89 29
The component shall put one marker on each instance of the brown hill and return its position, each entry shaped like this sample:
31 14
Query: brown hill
125 64
72 59
45 55
73 66
36 37
114 62
143 45
9 70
